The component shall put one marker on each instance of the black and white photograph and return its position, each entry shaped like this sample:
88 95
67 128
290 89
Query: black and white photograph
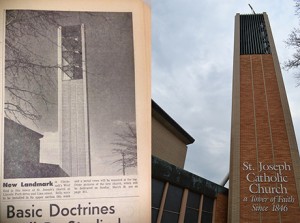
69 103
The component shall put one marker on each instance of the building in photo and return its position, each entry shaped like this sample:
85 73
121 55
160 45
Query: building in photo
264 165
178 195
75 85
72 101
22 154
264 178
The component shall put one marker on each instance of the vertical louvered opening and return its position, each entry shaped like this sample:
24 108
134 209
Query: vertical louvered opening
253 35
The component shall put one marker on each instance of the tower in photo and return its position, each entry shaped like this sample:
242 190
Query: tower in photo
264 162
72 101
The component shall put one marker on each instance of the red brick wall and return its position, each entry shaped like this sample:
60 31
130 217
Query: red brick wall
263 139
221 208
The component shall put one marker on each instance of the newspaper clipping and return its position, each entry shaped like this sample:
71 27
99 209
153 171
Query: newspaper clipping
70 150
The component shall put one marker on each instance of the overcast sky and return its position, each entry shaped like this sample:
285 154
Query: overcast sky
192 57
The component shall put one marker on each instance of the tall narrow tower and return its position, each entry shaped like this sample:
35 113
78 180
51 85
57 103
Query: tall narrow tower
264 165
72 101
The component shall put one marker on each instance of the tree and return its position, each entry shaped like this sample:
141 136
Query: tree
126 147
27 73
294 41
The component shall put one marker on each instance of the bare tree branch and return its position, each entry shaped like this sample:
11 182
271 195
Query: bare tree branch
294 42
126 146
27 74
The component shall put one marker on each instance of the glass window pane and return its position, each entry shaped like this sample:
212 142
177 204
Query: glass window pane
169 217
154 215
173 200
193 200
191 216
208 204
206 217
157 191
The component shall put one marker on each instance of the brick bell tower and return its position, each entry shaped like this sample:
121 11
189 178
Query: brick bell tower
264 162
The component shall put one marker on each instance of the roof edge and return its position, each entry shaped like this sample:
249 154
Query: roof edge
171 124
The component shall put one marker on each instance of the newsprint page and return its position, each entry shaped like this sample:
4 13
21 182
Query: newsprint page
75 120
